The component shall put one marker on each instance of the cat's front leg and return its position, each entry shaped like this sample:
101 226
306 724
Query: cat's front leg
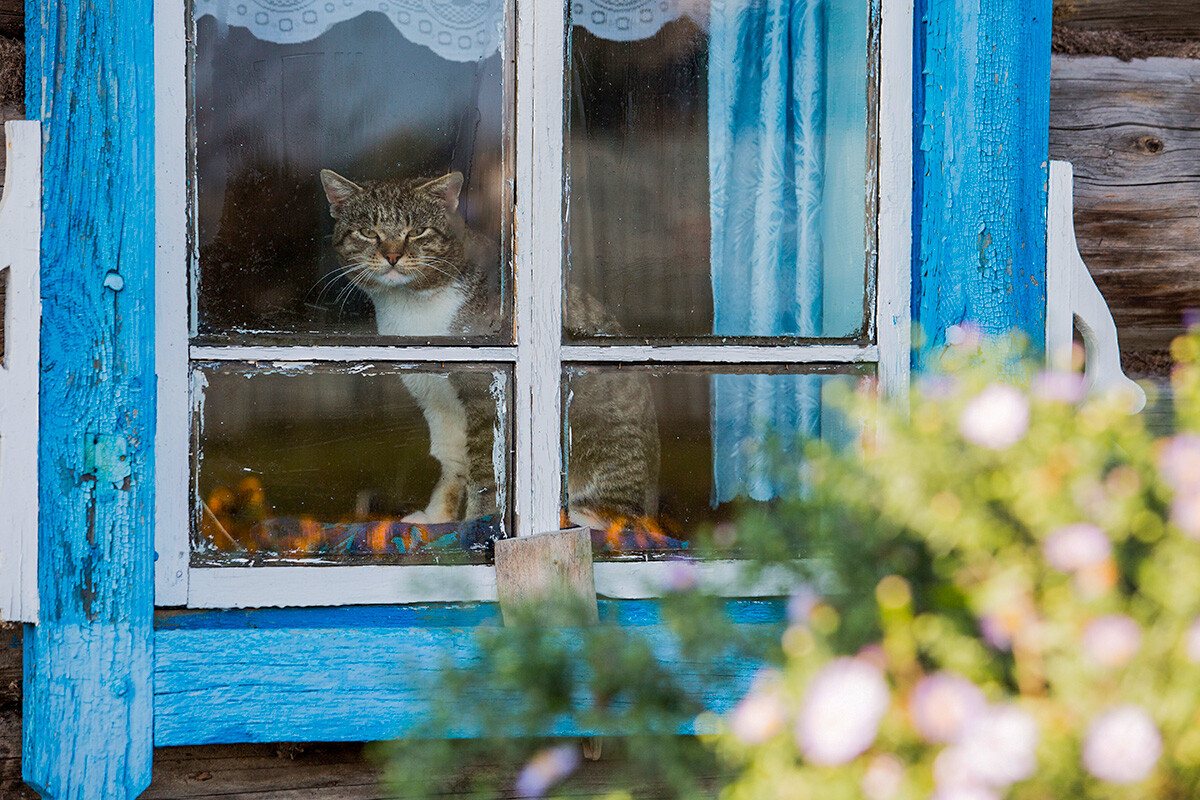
446 416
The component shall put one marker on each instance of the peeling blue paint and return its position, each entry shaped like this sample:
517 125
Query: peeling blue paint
88 662
981 121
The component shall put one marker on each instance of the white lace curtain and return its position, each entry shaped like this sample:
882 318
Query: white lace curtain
457 30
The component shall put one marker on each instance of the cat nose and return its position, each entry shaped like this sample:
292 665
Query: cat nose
392 258
392 251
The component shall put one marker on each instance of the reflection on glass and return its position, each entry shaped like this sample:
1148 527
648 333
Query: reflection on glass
656 455
368 463
384 96
718 168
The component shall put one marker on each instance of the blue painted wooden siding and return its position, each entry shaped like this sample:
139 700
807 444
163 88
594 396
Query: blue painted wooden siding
88 662
367 673
981 127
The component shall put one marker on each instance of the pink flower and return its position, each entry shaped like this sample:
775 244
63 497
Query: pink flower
1122 745
1060 387
996 419
965 792
942 704
1191 641
842 709
1112 640
883 777
545 769
1185 511
801 604
999 747
1075 547
1179 461
967 335
757 717
681 575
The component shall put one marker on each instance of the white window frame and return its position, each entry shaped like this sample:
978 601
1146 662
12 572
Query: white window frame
536 357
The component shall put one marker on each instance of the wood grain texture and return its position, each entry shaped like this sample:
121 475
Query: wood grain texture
354 674
12 18
545 569
1132 132
981 106
1167 19
88 663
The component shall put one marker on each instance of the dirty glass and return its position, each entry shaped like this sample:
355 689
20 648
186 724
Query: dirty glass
331 464
379 91
718 169
658 455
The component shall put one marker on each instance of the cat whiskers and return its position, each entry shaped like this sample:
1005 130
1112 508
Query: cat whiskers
328 281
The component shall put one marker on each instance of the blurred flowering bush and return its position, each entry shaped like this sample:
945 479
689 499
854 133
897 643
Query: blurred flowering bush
1000 597
1015 608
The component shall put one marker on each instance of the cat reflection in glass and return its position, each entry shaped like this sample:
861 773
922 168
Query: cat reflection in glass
406 246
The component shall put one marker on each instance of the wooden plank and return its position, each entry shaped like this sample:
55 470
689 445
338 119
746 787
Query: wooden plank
12 18
1132 134
546 569
89 660
20 229
981 166
1166 19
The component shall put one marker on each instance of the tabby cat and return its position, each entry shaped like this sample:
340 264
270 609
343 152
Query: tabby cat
405 244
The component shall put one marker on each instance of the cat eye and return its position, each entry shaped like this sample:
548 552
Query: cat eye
417 233
368 233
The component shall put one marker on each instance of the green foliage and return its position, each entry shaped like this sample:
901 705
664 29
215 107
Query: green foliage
999 601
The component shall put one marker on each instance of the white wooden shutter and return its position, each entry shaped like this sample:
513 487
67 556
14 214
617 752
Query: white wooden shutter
20 252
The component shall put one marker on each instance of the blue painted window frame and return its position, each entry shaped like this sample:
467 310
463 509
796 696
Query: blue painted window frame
95 663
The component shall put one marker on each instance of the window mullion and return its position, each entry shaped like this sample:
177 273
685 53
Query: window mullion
539 223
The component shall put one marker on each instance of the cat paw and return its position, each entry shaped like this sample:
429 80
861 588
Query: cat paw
417 518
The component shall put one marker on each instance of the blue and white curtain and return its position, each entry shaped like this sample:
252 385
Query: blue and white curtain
766 127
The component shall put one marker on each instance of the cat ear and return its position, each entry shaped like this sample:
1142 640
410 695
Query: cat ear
446 188
337 189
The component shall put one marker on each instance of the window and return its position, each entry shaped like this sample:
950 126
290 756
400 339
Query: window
684 222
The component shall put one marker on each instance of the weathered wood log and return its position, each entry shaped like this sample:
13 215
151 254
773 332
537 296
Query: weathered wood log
1164 19
1132 132
12 18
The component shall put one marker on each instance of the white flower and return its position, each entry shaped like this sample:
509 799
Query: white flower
1112 640
681 575
842 709
1077 546
999 747
996 419
942 704
545 769
883 777
1122 745
757 717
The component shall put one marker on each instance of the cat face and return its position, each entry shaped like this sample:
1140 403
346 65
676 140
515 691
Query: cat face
397 235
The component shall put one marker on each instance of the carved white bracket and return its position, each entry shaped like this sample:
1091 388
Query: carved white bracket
1072 300
20 255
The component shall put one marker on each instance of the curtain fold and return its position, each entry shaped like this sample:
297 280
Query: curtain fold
766 125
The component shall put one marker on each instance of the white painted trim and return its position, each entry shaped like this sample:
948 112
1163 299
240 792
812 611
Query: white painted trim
1073 300
172 465
267 587
356 354
893 290
541 37
20 254
723 354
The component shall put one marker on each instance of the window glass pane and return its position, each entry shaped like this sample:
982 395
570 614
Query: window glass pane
718 169
389 98
656 454
309 463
